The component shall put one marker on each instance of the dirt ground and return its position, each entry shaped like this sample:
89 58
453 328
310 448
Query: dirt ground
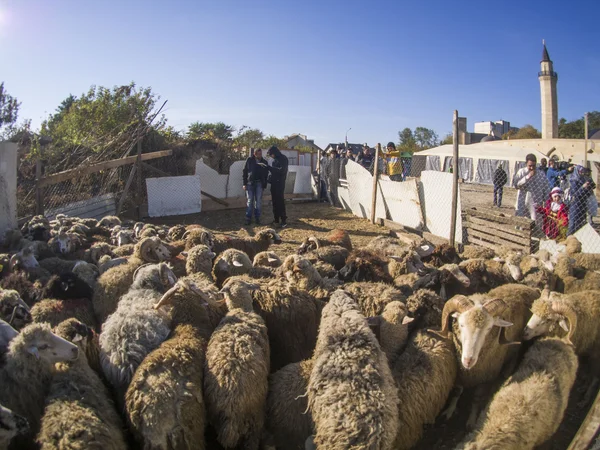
310 218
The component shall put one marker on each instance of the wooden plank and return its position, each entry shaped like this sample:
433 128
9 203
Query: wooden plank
482 243
501 234
93 168
525 233
127 186
588 428
395 226
138 164
510 220
216 199
155 170
496 240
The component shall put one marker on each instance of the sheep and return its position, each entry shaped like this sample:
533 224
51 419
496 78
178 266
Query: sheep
79 412
230 263
87 272
37 229
425 374
572 245
425 307
54 311
57 266
135 328
373 297
589 261
109 222
124 250
529 407
334 237
386 246
391 329
480 331
13 309
67 286
197 236
29 292
448 280
477 252
65 243
301 274
267 259
25 260
250 246
106 262
11 425
7 334
27 372
93 254
199 260
333 255
365 265
123 237
485 274
236 371
164 401
351 391
176 233
537 273
12 239
115 282
442 254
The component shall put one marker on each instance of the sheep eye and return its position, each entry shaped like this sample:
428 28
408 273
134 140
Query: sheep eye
43 347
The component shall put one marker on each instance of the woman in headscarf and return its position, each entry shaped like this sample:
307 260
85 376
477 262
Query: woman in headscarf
581 187
555 215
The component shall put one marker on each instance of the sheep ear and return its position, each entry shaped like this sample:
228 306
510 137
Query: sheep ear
407 320
563 324
456 315
501 323
184 254
271 259
237 263
33 350
77 338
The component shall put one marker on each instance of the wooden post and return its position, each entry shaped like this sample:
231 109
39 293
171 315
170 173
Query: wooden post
319 176
585 149
375 178
455 180
39 193
138 166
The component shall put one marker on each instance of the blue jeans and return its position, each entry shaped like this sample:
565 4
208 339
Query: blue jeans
498 195
254 194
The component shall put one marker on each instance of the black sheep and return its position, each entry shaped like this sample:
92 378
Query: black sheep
67 286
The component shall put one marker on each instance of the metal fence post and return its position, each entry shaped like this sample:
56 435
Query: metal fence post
455 179
375 178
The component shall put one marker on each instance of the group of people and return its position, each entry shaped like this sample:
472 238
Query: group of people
559 206
256 175
333 167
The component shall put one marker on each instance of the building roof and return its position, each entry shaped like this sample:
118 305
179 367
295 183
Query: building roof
545 56
489 138
594 134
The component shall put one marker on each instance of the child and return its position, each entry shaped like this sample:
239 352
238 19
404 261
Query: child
556 215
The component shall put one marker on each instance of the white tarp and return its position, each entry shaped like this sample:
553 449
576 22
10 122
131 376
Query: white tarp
235 185
360 192
403 203
171 196
213 182
436 203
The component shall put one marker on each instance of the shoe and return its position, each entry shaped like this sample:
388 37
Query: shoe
247 222
257 222
284 225
275 223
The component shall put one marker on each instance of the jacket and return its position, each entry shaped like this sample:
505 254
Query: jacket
552 174
279 168
365 160
500 177
253 172
532 191
394 163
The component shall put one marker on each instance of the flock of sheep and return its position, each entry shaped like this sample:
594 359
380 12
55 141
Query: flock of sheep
122 335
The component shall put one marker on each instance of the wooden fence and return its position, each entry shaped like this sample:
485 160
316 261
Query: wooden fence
489 228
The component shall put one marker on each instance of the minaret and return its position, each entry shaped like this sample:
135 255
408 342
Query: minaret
548 79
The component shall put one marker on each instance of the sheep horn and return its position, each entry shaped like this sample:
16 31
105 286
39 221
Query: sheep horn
185 235
315 240
14 260
138 269
236 263
458 303
167 298
568 312
148 249
495 307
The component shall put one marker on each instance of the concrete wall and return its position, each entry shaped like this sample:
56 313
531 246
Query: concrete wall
8 186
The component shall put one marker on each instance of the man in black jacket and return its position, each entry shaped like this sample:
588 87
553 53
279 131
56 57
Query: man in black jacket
278 173
255 181
500 179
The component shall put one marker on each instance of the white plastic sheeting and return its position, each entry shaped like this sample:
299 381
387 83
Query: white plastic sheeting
436 202
360 192
235 185
170 196
8 186
403 203
213 182
92 208
487 167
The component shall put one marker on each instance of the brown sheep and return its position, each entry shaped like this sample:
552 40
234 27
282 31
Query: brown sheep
250 246
334 237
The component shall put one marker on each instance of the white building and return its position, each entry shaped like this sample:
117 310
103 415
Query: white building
499 127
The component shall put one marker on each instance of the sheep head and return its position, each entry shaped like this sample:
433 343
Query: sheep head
238 294
364 265
151 249
13 309
76 332
449 272
40 342
185 287
97 251
25 259
11 424
176 233
303 274
197 236
310 243
65 243
549 312
269 235
475 321
267 259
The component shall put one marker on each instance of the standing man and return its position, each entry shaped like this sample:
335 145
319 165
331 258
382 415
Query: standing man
544 165
553 174
254 177
332 176
279 170
533 190
394 163
343 163
500 179
365 158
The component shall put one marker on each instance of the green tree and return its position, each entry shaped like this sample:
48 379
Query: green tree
425 138
271 140
576 128
448 139
407 140
9 108
525 132
249 137
218 132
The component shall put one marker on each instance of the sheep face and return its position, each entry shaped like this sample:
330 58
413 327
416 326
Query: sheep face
76 332
39 341
151 249
24 260
124 237
474 325
98 251
238 294
11 424
13 309
269 235
68 286
65 243
303 274
545 319
309 244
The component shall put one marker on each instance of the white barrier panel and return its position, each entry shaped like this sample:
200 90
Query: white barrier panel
213 182
303 183
436 203
589 238
360 187
235 185
171 196
403 203
91 208
8 187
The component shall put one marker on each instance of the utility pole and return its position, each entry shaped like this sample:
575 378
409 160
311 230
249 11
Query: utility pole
455 180
346 140
585 150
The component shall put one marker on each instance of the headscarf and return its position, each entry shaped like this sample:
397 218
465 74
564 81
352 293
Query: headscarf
555 206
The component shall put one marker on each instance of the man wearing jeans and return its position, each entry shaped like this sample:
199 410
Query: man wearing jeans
255 181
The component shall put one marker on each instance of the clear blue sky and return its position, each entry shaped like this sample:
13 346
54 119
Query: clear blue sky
313 67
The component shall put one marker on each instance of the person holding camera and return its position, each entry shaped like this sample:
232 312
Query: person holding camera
532 190
554 173
582 187
254 179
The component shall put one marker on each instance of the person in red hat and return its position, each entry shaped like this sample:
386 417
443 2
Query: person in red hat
555 215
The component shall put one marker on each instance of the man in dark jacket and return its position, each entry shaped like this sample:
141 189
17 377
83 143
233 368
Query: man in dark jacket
278 173
500 179
254 177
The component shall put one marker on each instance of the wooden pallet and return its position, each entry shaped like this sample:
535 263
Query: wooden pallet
489 228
